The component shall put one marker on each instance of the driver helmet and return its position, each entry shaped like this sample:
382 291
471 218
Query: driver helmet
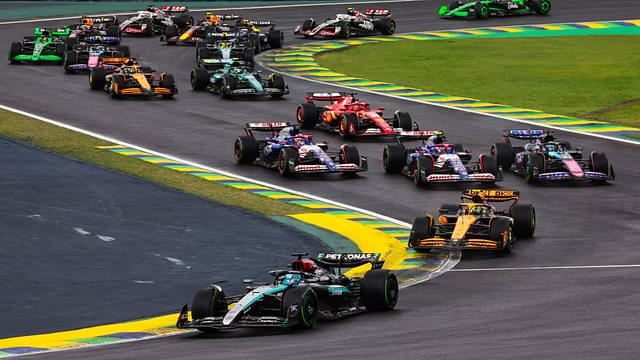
476 210
87 21
300 140
212 19
351 11
291 279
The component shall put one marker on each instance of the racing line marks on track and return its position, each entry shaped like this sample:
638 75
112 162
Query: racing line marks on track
298 62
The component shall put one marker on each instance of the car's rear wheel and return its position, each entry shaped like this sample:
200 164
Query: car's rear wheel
199 79
70 58
245 150
171 31
168 82
481 10
379 290
345 31
393 158
524 221
308 24
16 49
304 302
71 42
113 31
148 31
386 26
275 39
501 232
307 115
422 228
287 158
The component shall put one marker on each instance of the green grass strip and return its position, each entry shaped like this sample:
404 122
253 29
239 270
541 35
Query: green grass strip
83 147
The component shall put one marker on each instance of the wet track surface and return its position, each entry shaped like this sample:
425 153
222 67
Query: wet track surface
585 313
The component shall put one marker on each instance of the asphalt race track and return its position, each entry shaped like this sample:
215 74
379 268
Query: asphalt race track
546 313
84 246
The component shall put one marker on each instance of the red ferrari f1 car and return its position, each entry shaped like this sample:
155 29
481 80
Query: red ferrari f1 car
350 117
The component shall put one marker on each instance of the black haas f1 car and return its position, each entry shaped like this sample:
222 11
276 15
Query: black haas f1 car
353 23
297 298
543 158
436 161
132 79
475 224
155 20
350 117
291 152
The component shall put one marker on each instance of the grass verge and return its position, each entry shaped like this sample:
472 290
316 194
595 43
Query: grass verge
572 75
83 147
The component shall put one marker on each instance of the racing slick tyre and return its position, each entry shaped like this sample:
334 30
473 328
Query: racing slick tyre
501 232
307 307
70 43
422 228
254 40
503 152
16 49
393 158
199 79
541 7
124 50
285 157
117 84
97 79
459 148
171 31
247 56
308 24
402 120
169 82
566 144
599 163
277 82
448 209
202 53
70 58
148 31
113 30
307 115
350 155
386 26
60 50
348 126
229 85
489 165
456 4
207 303
482 11
275 38
245 149
345 31
423 167
379 290
524 221
534 161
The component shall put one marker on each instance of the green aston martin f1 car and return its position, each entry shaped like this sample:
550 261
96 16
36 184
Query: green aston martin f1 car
45 45
484 8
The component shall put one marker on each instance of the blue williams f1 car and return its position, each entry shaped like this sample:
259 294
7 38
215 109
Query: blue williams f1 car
297 298
291 152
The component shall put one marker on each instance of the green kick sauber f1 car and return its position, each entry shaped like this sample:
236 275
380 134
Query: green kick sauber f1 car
45 45
484 8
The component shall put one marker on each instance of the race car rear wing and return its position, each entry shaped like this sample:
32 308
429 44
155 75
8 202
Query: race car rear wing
525 134
417 134
377 12
56 32
261 23
267 126
493 195
327 96
337 261
228 17
101 19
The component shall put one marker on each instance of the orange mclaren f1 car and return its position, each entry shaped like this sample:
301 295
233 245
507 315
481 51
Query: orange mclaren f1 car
475 224
132 79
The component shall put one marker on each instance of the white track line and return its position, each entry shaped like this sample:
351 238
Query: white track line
567 267
220 9
259 61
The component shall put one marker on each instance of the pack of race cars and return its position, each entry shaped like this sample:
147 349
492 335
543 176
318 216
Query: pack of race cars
225 46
